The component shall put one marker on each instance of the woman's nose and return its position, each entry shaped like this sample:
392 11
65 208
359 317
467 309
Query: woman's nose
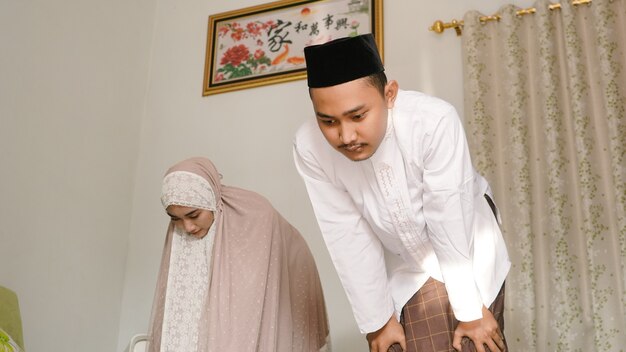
189 226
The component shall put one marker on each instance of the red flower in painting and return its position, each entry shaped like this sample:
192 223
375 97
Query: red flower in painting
219 77
222 31
237 34
259 54
254 29
235 55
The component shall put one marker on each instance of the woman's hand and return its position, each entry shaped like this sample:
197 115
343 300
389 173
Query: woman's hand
482 332
383 338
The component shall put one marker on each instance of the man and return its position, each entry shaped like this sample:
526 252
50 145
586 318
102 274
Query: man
401 209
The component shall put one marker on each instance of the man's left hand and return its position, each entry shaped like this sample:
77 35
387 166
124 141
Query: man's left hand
482 332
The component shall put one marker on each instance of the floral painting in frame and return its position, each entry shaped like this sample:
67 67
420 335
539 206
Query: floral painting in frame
265 44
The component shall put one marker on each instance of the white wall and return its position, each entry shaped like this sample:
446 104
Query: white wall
72 86
248 134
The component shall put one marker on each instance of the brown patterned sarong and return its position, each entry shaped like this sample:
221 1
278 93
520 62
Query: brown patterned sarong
429 322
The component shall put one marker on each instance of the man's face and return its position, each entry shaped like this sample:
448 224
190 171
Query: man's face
353 116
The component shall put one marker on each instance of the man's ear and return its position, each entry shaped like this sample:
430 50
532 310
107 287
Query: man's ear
391 92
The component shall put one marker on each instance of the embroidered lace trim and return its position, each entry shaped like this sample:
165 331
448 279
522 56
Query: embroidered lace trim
187 189
187 287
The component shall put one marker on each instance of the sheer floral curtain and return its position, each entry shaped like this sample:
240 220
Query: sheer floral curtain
545 104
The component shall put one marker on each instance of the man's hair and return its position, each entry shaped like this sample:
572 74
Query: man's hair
378 81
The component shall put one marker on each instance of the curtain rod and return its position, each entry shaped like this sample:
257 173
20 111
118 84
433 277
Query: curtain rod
440 26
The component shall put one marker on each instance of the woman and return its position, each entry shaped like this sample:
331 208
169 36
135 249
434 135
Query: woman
235 275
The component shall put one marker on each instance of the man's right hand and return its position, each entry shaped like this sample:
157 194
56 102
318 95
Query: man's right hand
383 338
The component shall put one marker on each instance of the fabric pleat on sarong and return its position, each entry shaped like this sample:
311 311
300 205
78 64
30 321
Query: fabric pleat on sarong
429 322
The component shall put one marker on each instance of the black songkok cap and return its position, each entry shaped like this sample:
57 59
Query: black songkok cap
342 60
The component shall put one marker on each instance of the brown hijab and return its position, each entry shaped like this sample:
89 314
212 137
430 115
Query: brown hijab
264 292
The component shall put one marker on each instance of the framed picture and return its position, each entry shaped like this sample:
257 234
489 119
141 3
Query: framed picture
264 44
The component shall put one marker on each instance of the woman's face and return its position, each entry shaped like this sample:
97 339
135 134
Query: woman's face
194 221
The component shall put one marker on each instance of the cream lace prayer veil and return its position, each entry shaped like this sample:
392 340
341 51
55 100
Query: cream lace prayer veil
250 285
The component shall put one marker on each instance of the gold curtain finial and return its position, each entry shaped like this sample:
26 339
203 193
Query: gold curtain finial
440 26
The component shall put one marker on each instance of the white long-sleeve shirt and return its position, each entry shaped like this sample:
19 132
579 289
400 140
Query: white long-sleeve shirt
414 210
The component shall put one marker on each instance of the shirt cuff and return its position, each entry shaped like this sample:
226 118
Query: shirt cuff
377 323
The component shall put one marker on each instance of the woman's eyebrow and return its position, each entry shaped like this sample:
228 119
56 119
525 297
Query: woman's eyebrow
188 214
191 212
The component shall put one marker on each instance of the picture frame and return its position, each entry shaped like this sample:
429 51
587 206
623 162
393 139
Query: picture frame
264 44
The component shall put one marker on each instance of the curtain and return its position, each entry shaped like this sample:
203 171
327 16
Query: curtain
545 116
